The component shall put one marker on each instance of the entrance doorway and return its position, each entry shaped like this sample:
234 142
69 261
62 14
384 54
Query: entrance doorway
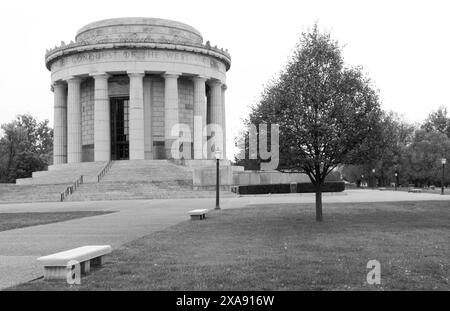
120 146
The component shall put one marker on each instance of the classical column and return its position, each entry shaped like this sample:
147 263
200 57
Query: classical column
208 155
199 116
74 150
216 114
102 122
148 141
224 123
60 123
170 110
136 116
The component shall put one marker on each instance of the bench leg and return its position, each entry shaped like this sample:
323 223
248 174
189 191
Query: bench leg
60 273
85 267
198 217
55 273
96 262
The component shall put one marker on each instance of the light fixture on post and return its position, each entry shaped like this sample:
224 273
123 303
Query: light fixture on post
373 179
443 161
396 180
218 155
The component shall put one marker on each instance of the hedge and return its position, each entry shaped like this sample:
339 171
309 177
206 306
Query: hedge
329 186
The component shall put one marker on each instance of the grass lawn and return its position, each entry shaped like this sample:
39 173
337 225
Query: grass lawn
281 247
9 221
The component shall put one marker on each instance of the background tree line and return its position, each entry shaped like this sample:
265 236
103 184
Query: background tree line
414 151
26 145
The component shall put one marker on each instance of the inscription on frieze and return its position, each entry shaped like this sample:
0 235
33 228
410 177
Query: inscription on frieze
139 55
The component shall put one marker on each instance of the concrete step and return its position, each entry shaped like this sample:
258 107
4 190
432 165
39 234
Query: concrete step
146 171
140 190
12 193
64 173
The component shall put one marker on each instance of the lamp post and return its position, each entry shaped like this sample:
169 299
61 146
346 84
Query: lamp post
373 178
396 180
218 155
443 161
362 180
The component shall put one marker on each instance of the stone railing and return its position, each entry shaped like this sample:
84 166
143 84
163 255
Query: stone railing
71 189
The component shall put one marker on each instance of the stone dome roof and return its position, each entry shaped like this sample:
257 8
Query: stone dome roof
140 28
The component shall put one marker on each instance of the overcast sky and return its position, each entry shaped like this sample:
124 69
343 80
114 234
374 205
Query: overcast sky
404 46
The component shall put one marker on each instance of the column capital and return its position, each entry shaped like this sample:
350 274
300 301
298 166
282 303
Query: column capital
170 74
148 78
58 84
199 79
74 79
214 82
224 87
100 75
136 74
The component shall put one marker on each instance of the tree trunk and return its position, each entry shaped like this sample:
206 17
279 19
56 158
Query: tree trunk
319 216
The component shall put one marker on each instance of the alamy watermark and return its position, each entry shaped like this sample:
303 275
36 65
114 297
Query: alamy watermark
374 275
73 275
211 138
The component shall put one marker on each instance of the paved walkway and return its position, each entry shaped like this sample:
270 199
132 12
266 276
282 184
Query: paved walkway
19 248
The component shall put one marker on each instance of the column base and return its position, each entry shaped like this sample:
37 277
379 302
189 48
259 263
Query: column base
148 155
59 160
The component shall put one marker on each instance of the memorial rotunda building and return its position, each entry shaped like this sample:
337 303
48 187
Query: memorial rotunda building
148 91
137 88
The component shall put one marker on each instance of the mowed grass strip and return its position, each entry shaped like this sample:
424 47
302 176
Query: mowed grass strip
9 221
281 247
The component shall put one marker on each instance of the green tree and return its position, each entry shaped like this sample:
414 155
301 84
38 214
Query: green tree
26 146
396 136
422 160
328 114
438 121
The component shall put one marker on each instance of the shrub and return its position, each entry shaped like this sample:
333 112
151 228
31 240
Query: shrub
332 186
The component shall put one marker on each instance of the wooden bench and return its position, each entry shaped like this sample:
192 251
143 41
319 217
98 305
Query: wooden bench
56 265
198 214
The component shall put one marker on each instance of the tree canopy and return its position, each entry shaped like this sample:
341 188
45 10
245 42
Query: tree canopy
328 113
25 146
438 121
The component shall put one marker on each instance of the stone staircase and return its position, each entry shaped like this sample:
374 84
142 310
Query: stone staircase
64 174
125 180
147 171
139 191
12 193
142 179
47 186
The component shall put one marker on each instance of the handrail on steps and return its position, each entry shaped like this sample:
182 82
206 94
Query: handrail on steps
71 189
104 171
